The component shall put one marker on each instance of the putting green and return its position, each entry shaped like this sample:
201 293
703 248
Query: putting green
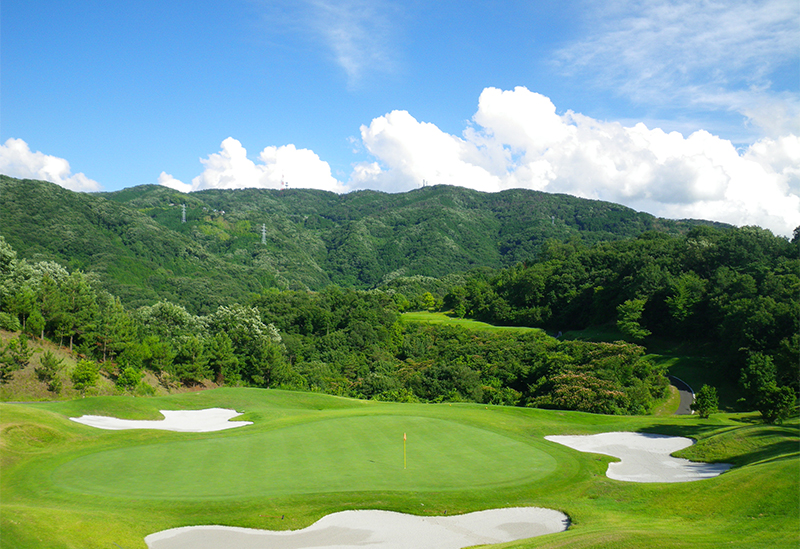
361 453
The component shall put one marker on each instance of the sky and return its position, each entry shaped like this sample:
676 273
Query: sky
680 108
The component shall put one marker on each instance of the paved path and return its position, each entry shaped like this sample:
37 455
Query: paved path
687 396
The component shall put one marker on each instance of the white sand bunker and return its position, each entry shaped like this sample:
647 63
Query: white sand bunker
376 529
183 421
644 457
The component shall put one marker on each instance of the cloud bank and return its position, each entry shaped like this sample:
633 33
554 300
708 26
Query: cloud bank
518 140
231 169
17 160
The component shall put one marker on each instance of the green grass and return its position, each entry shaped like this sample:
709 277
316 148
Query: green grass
444 318
66 485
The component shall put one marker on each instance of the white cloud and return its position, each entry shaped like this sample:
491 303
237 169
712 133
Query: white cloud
231 169
519 140
695 53
17 160
167 180
414 152
358 34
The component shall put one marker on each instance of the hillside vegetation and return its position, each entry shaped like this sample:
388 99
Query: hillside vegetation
135 242
731 292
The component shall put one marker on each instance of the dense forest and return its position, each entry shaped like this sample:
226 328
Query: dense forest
230 320
735 289
236 243
339 341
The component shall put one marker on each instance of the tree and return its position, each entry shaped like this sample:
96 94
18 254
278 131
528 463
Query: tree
428 301
630 312
757 375
81 306
15 356
776 403
22 302
191 362
706 401
688 291
222 360
48 370
35 324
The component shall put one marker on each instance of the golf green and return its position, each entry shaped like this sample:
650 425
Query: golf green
357 453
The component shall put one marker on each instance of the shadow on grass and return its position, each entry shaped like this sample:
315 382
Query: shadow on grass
751 443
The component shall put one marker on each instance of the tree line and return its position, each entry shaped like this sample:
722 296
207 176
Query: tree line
738 290
339 341
735 289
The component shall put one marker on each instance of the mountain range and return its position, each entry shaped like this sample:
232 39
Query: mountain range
210 247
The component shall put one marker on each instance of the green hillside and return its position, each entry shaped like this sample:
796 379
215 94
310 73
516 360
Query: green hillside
136 243
134 256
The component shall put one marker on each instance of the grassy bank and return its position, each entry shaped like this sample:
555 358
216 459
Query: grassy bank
444 318
307 455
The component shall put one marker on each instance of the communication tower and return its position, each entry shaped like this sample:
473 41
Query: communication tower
264 233
183 213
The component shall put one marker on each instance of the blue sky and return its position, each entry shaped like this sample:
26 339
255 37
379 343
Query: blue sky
577 96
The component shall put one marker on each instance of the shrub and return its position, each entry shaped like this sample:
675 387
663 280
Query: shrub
48 369
85 375
128 378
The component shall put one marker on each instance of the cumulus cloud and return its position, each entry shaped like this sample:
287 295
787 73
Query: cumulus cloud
518 140
230 168
416 152
17 160
167 180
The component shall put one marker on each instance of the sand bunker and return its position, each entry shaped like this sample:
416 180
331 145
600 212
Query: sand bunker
644 457
183 421
376 529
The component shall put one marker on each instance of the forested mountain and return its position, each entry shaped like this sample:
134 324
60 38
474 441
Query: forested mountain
141 250
215 298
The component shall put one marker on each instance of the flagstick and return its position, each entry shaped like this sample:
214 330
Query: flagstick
404 450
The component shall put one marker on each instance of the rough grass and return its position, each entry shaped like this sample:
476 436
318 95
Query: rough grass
68 485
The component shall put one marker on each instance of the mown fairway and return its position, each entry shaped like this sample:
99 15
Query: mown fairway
69 485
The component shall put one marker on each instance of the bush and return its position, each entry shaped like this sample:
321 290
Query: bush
145 389
128 378
85 375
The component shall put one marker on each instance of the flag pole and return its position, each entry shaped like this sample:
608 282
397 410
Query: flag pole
404 450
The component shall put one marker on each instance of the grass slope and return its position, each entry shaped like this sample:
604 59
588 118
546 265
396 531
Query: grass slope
469 324
67 485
